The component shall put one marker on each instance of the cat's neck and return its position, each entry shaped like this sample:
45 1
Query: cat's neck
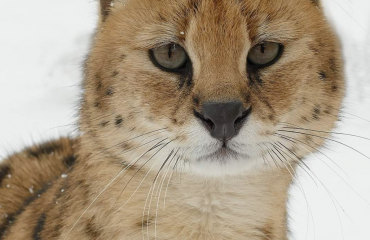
183 206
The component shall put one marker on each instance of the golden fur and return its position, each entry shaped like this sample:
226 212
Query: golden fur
133 173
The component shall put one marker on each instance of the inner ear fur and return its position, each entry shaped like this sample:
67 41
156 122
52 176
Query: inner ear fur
105 6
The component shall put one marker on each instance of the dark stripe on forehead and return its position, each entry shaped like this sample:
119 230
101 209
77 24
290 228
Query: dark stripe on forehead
39 227
4 171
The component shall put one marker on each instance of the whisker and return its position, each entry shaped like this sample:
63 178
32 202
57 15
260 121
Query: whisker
357 193
160 190
118 144
309 210
333 199
122 169
320 131
301 161
164 145
138 148
286 160
351 17
319 151
154 185
272 158
168 182
329 139
341 110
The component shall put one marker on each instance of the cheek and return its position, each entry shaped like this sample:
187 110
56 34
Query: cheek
163 100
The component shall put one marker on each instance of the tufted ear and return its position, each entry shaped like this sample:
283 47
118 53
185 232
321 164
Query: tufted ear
105 6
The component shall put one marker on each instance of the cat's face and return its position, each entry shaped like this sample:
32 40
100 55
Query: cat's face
227 82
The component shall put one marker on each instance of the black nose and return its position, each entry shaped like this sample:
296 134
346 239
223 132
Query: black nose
223 119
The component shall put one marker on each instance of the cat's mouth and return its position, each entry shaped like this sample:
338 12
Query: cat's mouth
223 154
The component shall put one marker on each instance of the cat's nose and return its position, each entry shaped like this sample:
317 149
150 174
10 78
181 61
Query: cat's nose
223 119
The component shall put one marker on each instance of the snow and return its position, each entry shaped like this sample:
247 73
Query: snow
64 175
43 45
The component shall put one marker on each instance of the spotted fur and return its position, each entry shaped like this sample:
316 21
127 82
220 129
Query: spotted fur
144 165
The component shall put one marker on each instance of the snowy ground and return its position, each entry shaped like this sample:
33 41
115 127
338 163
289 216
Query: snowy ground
44 42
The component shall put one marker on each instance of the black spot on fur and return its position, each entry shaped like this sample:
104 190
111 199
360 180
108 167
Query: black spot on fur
97 104
99 86
322 75
334 88
4 171
91 231
316 112
304 119
110 91
115 73
119 121
69 161
104 124
162 18
12 217
147 222
39 227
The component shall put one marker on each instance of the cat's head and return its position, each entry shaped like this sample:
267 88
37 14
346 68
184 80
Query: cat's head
226 86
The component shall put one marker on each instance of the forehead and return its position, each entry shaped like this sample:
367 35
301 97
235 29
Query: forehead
162 21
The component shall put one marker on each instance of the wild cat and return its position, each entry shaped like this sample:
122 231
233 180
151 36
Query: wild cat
189 125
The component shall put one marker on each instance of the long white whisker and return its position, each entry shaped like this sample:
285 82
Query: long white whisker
122 169
160 190
137 188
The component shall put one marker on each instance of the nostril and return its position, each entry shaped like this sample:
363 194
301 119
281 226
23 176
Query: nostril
240 120
223 120
206 121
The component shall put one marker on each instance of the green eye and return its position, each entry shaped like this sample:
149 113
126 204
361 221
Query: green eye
170 58
265 54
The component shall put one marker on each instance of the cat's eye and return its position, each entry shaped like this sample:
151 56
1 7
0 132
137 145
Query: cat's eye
171 57
265 54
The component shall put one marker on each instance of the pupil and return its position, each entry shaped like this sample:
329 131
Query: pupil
169 51
263 48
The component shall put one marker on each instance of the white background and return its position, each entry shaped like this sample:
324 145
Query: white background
44 42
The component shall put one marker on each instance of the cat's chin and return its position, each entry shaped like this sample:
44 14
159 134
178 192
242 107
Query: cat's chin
221 164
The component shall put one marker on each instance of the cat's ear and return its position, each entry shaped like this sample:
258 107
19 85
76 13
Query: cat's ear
105 7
